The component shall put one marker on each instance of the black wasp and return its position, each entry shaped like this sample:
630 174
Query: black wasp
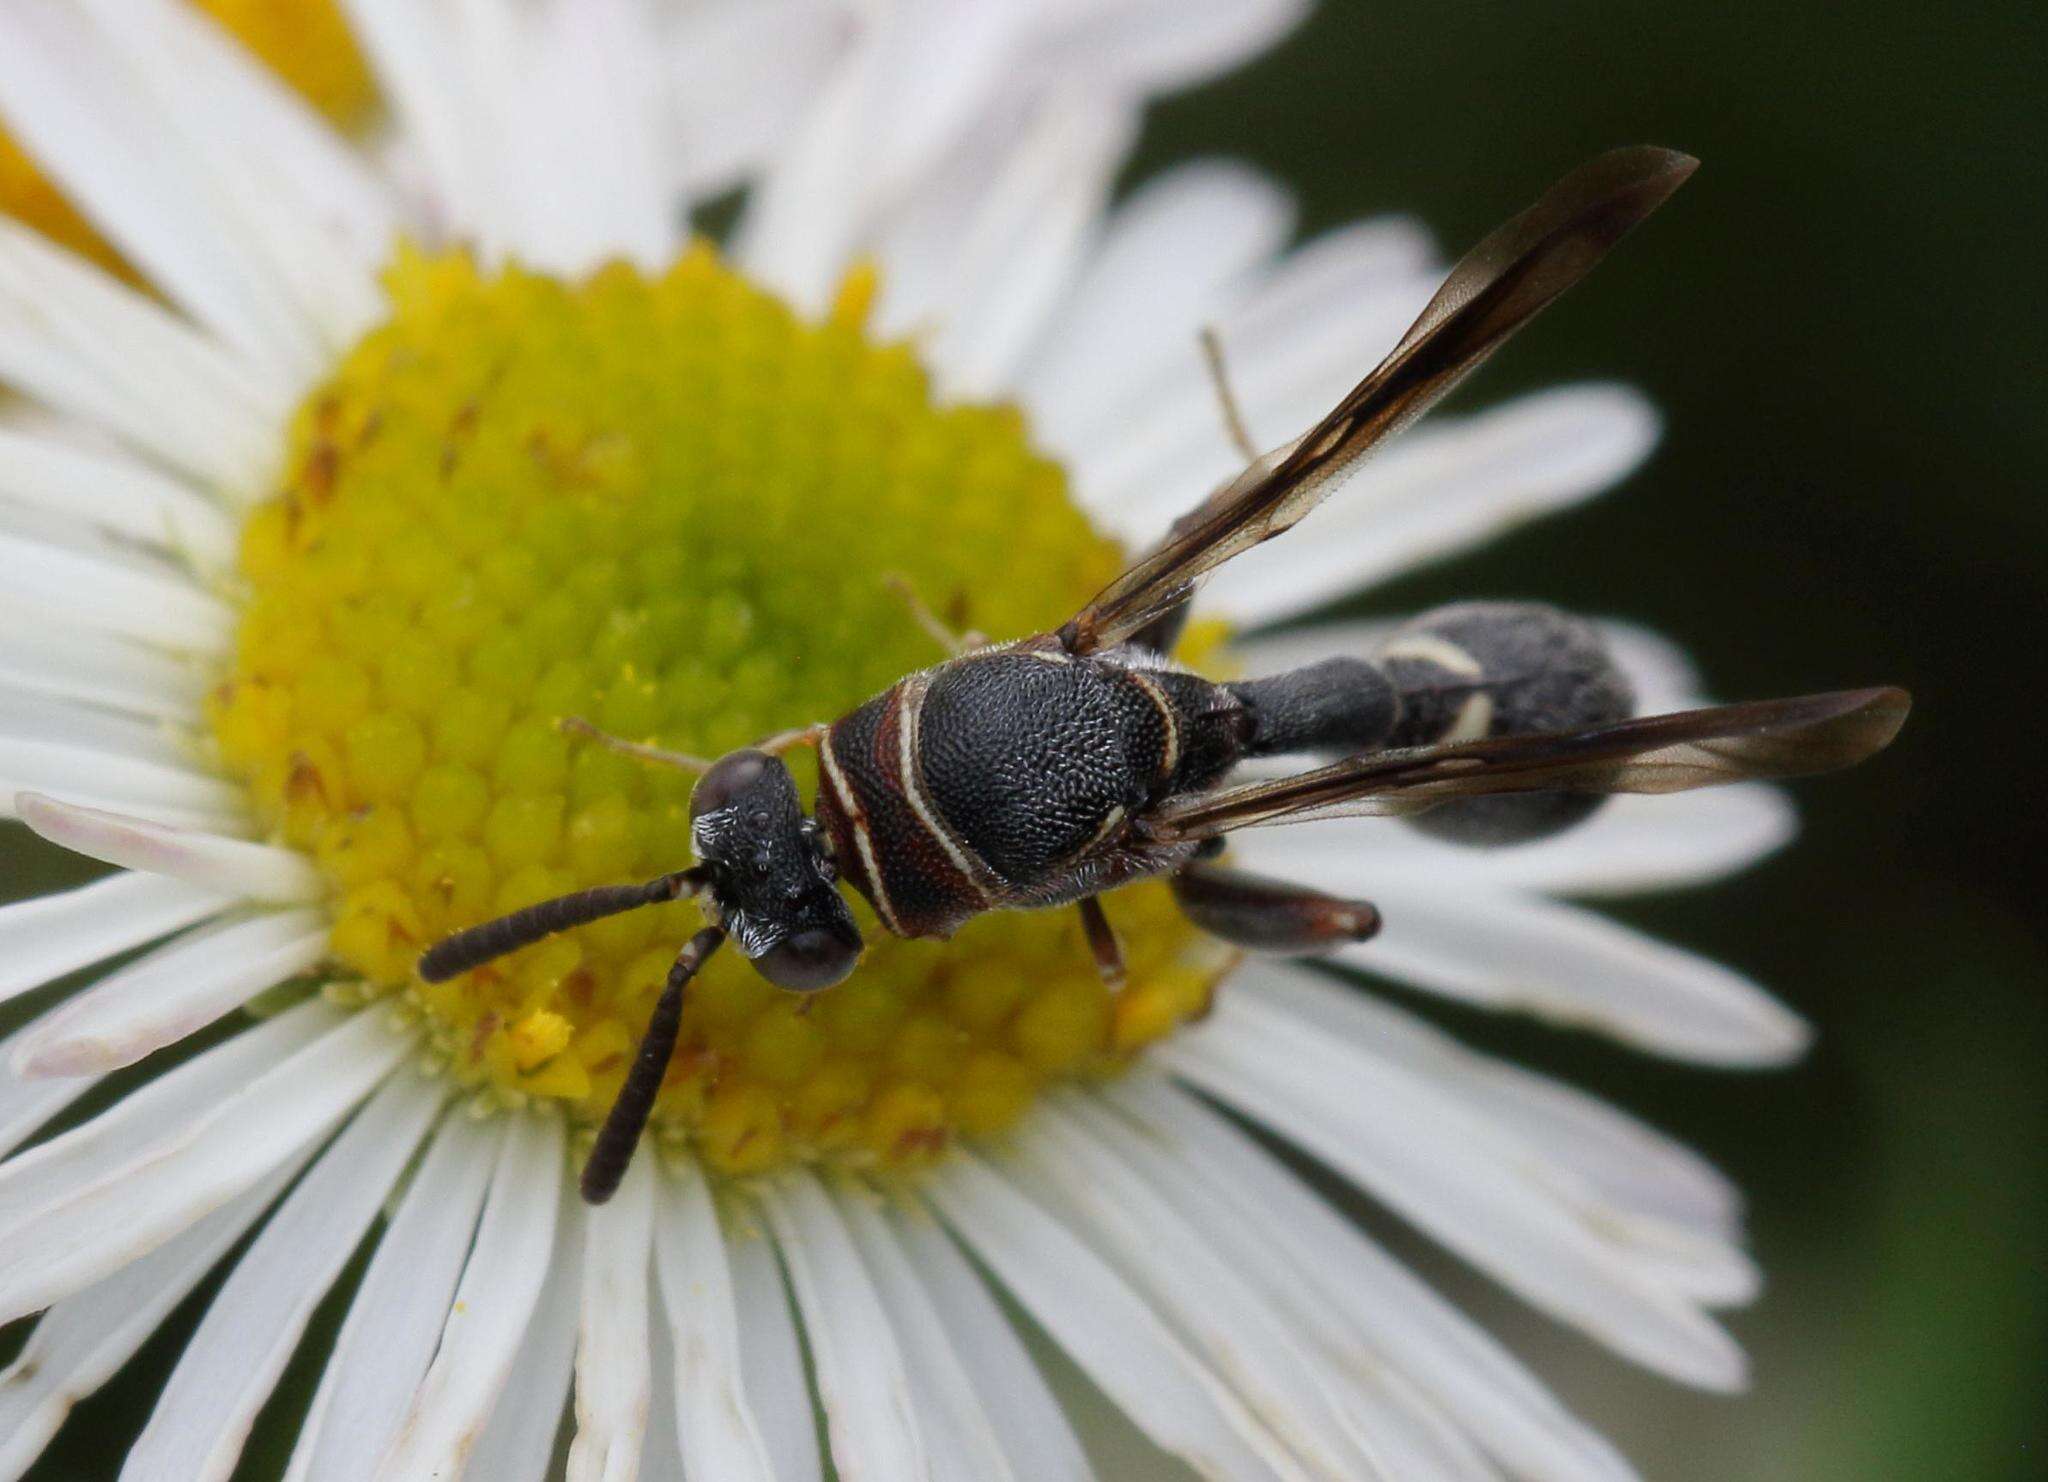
1049 770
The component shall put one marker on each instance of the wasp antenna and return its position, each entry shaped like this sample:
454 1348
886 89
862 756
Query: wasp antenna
493 939
1234 424
655 756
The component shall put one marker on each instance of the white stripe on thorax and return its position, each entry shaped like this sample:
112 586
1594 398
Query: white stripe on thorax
857 820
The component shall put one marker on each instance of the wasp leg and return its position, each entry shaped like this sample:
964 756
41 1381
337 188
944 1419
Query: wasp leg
576 725
627 1119
934 626
1226 399
1271 916
1109 957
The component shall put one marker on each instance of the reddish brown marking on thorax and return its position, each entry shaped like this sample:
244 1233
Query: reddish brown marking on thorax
888 846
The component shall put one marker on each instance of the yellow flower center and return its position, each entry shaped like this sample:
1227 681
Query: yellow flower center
669 506
306 42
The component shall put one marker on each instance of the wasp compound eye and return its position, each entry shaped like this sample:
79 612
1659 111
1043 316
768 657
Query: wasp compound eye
812 959
740 776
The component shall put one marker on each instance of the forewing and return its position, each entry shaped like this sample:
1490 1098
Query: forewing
1661 753
1498 286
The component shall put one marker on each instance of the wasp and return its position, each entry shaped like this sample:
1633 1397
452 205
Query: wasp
1053 769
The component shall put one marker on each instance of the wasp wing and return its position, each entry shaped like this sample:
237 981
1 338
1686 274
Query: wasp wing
1497 287
1661 753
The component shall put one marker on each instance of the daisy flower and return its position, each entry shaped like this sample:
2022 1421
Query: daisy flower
396 451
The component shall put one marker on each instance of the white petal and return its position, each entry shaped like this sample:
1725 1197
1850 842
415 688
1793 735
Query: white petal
1640 1170
302 204
1504 949
49 936
81 1341
418 62
352 204
661 1459
1213 1307
583 132
613 1353
399 1309
1427 1158
917 78
25 1105
1103 1325
1360 1294
803 221
1033 1429
87 118
1168 257
176 990
494 1303
126 599
1164 45
116 493
100 671
519 1443
869 1418
772 1361
958 1438
93 349
743 72
34 720
542 125
716 1425
1633 844
67 1244
203 1416
165 1107
1294 345
1025 242
1397 1424
1451 485
1657 1207
1663 673
255 872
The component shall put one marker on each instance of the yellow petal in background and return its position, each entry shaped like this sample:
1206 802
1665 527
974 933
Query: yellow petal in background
305 41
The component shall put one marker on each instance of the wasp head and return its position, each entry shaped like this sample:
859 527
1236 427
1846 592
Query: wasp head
770 873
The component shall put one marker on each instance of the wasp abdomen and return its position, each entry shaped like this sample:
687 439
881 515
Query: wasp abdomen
1477 669
1339 705
1464 672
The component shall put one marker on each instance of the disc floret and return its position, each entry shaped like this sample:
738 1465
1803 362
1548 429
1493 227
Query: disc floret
670 506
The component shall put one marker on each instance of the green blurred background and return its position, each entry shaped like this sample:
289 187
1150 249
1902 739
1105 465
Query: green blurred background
1842 320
